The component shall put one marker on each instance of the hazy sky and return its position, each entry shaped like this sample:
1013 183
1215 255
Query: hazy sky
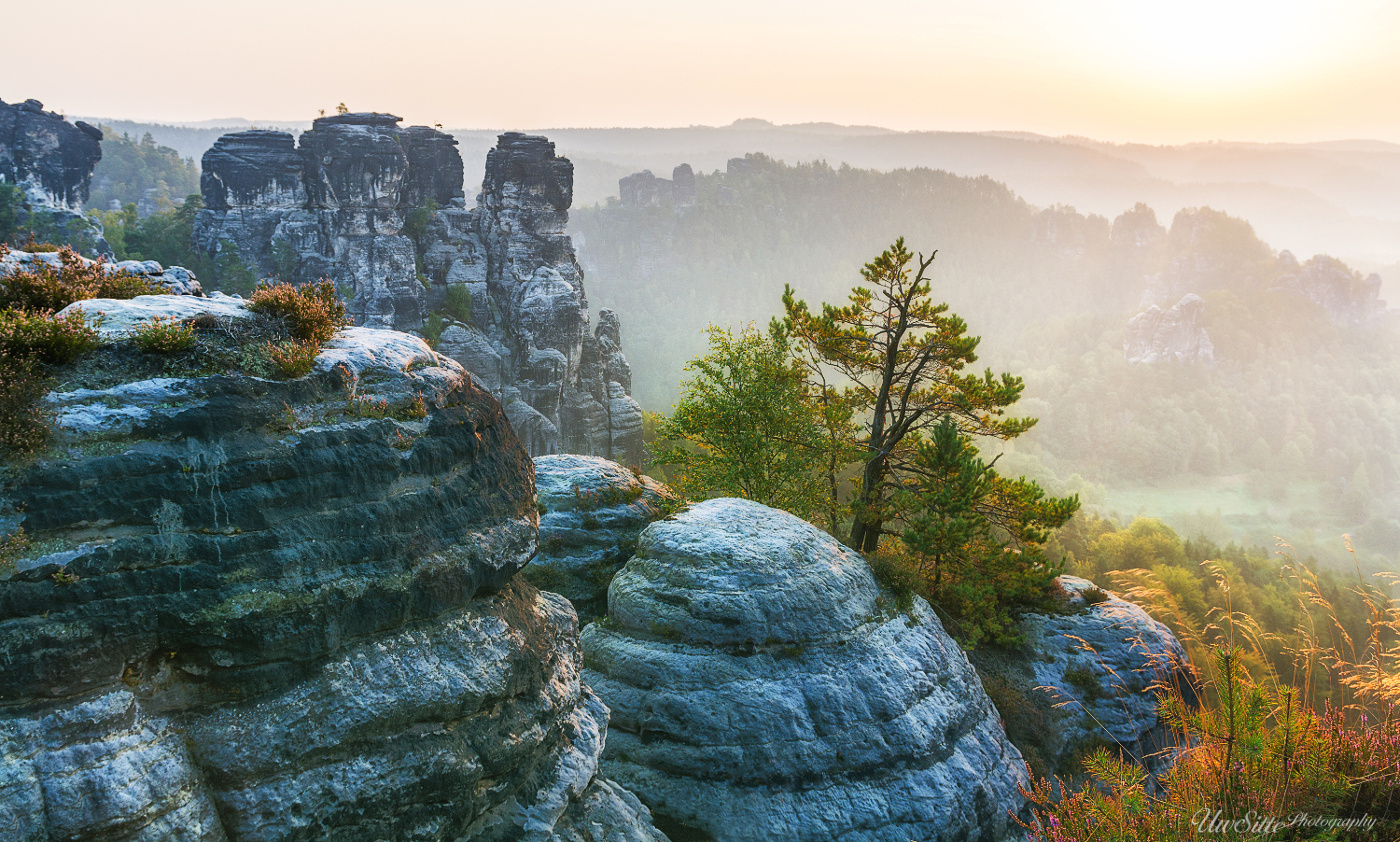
1165 71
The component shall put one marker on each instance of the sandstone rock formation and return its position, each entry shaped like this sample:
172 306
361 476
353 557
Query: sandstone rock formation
1175 335
176 280
51 161
591 512
1094 676
1348 298
380 210
644 190
249 613
763 686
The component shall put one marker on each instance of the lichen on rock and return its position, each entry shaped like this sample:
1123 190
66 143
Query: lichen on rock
763 686
253 609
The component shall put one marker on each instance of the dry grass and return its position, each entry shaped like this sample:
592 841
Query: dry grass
1321 739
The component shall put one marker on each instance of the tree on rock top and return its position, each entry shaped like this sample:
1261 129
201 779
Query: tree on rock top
904 358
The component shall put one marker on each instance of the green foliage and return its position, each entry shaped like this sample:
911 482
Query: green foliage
43 336
167 237
745 428
164 336
904 356
129 168
23 427
46 287
977 537
312 312
11 205
292 359
459 303
285 259
432 329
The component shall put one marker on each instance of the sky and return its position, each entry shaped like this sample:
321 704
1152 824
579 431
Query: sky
1119 70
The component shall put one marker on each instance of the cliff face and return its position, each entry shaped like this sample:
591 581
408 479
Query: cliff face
379 209
1347 297
250 611
51 161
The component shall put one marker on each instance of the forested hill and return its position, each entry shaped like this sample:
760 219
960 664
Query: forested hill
1288 430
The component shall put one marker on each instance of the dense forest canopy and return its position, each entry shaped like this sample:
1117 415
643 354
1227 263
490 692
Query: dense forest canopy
140 172
1289 430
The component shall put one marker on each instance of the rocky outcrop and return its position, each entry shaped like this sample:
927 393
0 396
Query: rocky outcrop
175 280
379 209
248 612
591 512
763 686
51 161
1348 298
1176 335
644 190
1089 677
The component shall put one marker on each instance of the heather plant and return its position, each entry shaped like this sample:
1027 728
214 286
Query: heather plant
22 425
312 312
164 336
44 336
292 359
42 286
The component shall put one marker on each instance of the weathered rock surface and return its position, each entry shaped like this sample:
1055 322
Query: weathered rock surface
764 687
249 614
644 190
51 161
591 512
380 210
1175 335
1348 298
176 280
1094 675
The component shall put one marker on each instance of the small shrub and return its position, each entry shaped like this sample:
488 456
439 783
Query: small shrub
15 545
43 336
46 287
63 578
432 329
312 313
416 408
292 359
1084 679
23 428
164 336
1094 596
896 574
459 303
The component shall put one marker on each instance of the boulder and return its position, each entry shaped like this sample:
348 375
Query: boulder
1087 678
764 686
246 612
591 512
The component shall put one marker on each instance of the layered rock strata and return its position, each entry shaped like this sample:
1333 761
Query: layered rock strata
380 210
591 512
763 686
1175 335
249 610
1095 674
51 161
